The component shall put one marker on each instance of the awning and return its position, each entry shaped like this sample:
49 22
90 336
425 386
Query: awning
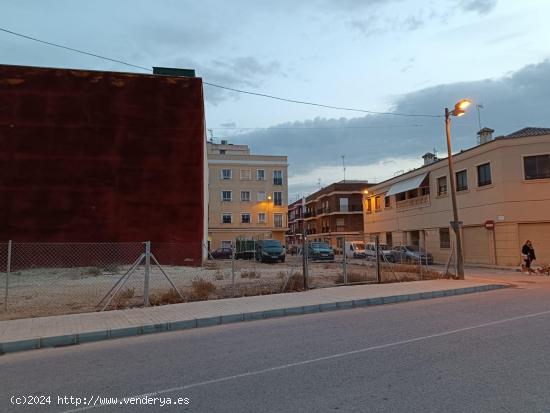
407 185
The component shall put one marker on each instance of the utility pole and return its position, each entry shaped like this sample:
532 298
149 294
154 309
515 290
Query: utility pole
455 224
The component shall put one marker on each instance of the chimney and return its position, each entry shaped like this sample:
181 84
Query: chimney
484 135
429 158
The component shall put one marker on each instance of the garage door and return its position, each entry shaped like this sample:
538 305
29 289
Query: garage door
539 234
477 245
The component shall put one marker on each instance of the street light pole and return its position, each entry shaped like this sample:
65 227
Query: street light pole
455 224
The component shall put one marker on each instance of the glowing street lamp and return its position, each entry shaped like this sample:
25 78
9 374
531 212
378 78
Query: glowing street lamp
459 110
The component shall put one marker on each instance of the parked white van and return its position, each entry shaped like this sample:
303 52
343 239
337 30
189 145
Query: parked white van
355 249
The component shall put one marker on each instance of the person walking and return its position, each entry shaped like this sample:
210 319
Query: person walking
528 254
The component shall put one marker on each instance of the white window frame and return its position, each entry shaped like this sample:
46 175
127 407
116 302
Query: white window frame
230 195
230 174
262 221
258 175
230 216
249 217
437 185
264 197
249 195
282 176
282 220
278 192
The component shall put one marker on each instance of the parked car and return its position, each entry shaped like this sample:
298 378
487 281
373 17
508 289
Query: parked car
245 255
355 249
221 253
412 254
320 251
385 251
270 250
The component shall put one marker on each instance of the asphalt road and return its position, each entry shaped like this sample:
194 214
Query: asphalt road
485 352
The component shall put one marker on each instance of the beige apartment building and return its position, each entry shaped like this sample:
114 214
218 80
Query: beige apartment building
248 195
503 196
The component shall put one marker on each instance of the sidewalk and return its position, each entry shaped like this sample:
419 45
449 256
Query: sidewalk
33 333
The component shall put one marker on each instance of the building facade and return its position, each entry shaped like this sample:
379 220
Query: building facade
248 195
294 234
335 213
503 197
96 156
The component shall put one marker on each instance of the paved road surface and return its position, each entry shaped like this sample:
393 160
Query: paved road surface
485 352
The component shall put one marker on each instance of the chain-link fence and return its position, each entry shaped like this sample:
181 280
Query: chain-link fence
39 279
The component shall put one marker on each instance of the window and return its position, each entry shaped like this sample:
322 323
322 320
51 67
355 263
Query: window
222 151
226 196
444 238
401 196
245 218
277 177
484 174
278 220
261 196
442 186
226 218
260 175
226 174
369 205
377 203
344 207
387 202
277 198
245 196
537 167
245 174
389 239
340 225
261 217
462 180
226 244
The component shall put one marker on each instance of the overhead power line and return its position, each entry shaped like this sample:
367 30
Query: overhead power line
247 92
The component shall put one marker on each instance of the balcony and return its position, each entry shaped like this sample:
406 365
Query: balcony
417 202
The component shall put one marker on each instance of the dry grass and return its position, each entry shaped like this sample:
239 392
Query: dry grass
293 283
354 276
123 299
93 271
250 274
219 275
210 265
201 289
169 297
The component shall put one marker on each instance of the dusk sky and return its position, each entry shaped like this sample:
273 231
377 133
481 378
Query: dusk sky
412 57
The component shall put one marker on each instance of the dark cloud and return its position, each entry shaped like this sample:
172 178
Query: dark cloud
510 103
482 7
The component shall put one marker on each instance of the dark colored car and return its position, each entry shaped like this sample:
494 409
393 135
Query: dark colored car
412 254
221 253
320 251
270 250
245 255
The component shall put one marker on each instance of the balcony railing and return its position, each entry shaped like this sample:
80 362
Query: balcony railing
417 202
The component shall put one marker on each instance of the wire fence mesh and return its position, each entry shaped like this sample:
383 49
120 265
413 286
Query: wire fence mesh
39 279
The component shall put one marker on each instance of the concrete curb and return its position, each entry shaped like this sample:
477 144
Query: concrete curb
88 337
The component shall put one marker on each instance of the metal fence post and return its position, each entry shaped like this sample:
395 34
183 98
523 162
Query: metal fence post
147 273
420 259
344 261
305 269
377 248
233 270
8 270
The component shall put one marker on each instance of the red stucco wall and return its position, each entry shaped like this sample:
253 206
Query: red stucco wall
101 156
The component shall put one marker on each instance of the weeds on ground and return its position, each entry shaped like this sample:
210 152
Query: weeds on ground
122 299
201 289
112 268
169 297
219 275
250 274
293 283
94 271
353 277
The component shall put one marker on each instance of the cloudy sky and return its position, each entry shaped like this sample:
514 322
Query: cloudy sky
399 56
